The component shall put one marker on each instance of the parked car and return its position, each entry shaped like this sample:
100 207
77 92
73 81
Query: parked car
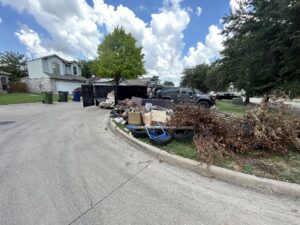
226 95
189 95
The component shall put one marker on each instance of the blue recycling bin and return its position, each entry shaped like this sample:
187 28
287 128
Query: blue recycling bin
76 96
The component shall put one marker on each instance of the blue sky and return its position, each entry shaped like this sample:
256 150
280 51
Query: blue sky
174 33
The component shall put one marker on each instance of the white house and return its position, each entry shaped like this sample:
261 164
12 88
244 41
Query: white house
53 73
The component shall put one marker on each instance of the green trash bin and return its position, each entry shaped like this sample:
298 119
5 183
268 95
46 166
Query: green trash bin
48 97
63 96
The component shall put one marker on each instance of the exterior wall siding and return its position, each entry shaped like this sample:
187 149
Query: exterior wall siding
68 70
38 85
45 66
35 69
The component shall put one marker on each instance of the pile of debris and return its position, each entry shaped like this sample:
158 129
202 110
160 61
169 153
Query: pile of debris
109 102
260 131
149 118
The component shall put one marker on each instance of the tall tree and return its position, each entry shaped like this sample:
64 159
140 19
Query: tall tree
195 77
13 63
215 80
169 83
262 49
119 57
86 68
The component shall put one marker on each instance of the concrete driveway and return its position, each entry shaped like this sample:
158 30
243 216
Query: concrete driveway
60 164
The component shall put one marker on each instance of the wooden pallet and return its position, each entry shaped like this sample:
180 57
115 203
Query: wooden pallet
166 127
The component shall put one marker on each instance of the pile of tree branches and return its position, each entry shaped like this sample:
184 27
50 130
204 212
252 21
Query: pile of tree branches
259 130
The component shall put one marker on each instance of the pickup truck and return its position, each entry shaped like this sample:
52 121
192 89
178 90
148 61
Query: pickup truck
186 95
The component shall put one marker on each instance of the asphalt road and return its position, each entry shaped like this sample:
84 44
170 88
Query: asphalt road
60 164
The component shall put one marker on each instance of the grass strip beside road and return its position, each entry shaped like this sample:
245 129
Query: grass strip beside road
18 98
184 149
226 106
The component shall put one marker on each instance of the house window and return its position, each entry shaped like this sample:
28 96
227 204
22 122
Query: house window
56 68
74 70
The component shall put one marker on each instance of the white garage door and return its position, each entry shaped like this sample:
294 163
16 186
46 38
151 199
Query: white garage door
67 86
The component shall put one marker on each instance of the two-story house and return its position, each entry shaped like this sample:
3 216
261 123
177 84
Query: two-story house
53 73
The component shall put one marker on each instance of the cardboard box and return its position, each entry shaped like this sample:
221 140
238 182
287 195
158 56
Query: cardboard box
135 118
147 118
158 117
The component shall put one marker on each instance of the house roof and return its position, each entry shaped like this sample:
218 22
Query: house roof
4 73
68 77
54 55
110 81
137 82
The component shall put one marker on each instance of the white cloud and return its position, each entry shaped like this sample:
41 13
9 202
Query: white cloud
237 5
33 43
75 29
198 11
162 39
0 20
189 9
70 24
205 53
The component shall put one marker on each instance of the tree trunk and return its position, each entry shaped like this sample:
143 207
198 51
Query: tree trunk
247 100
266 99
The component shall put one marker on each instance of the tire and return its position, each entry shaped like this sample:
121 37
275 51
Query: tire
138 133
183 135
162 141
204 104
113 113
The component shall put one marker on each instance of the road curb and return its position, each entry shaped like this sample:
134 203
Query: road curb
250 181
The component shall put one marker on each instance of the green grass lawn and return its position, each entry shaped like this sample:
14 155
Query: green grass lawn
184 149
227 107
18 98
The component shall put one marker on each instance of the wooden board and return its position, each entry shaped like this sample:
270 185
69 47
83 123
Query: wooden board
166 127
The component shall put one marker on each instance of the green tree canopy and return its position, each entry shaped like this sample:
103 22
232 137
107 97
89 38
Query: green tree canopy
119 57
169 83
86 68
215 79
13 63
262 49
195 77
